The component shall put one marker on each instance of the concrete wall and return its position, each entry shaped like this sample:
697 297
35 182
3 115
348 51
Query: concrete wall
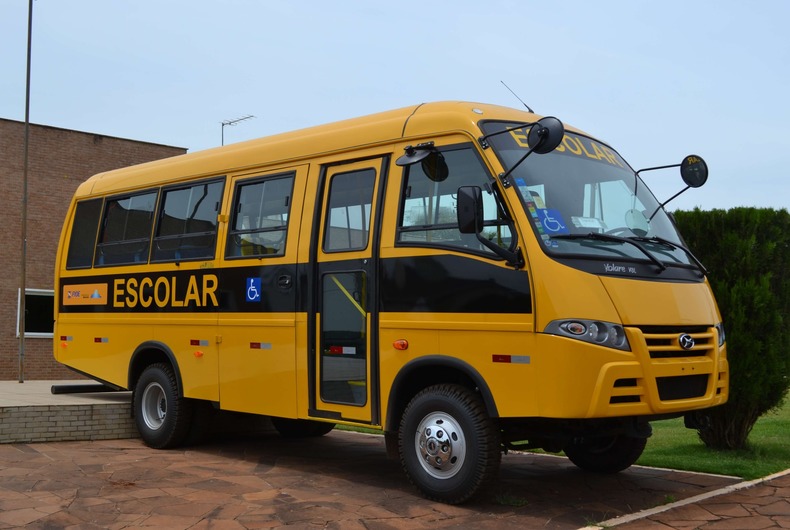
59 160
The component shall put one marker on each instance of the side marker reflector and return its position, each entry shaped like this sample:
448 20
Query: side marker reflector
511 359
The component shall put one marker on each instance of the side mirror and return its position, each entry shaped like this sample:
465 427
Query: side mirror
432 161
470 221
694 171
435 167
546 135
470 209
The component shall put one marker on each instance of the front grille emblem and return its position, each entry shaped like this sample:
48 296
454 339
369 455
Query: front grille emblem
686 341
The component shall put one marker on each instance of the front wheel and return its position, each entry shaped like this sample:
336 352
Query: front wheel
162 416
449 447
606 455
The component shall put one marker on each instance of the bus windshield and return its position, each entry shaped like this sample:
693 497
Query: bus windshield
586 201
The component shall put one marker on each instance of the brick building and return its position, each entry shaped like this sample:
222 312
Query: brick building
58 161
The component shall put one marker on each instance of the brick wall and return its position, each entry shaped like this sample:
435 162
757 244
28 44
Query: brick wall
58 161
59 423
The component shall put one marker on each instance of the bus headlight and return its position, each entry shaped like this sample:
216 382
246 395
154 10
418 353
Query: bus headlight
593 331
720 331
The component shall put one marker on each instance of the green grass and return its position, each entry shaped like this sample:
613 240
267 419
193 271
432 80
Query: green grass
675 447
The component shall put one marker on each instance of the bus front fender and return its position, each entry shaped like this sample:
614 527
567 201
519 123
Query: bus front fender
431 370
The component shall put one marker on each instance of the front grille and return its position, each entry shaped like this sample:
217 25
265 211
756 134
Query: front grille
682 387
663 342
623 396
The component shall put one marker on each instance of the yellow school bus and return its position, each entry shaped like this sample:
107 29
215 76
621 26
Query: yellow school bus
464 278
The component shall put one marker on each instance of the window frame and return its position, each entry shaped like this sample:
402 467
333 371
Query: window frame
103 226
160 212
35 292
74 233
235 211
490 185
369 213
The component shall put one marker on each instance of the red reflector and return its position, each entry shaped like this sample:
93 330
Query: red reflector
63 337
500 358
336 349
194 342
255 345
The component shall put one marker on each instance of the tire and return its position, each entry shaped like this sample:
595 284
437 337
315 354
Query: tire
607 455
449 447
289 428
162 416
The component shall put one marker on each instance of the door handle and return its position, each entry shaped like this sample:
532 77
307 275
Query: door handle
284 281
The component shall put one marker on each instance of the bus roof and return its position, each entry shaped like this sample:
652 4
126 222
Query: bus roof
400 124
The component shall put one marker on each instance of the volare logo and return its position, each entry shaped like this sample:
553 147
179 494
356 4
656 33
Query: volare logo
617 268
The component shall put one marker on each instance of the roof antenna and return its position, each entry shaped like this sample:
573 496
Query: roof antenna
518 98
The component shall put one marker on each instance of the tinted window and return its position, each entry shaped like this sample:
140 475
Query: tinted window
188 223
348 216
343 338
126 233
429 209
83 234
260 219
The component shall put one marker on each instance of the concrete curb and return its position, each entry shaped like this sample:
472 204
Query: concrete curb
691 500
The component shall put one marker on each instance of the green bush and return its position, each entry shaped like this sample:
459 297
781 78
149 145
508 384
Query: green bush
746 251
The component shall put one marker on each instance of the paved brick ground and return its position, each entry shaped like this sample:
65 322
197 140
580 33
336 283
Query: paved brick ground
765 504
342 480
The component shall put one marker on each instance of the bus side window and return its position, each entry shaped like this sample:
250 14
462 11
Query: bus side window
83 234
348 216
187 227
428 208
126 232
260 217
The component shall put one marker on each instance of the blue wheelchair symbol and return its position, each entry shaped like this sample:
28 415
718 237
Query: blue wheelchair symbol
552 221
253 289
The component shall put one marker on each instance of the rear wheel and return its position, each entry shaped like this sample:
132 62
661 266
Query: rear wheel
606 455
449 447
161 414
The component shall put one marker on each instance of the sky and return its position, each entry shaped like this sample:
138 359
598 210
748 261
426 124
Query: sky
655 80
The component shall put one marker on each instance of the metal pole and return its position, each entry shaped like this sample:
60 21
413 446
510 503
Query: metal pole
233 122
23 261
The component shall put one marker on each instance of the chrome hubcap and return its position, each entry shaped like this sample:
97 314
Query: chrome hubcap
441 445
154 406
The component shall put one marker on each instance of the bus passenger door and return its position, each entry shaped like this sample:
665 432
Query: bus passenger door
258 323
343 316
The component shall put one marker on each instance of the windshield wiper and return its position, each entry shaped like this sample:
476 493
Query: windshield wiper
666 242
615 239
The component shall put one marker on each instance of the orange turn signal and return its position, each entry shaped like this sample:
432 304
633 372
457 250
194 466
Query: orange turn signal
401 344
